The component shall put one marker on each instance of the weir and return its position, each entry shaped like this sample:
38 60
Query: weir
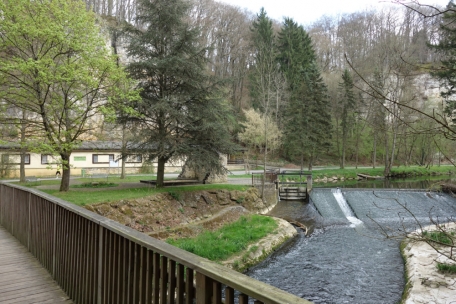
342 262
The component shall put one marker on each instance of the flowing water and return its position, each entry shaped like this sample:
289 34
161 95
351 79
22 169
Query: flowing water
347 259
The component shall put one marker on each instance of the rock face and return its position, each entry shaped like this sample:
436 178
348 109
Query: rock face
190 173
426 283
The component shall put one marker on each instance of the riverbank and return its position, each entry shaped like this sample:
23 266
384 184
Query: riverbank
425 284
172 215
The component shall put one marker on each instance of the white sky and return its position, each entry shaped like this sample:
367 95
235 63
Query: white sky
307 11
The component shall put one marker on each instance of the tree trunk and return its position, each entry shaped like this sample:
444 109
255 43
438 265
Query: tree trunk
374 157
338 140
124 153
265 154
357 143
161 172
23 150
310 162
387 170
65 183
342 160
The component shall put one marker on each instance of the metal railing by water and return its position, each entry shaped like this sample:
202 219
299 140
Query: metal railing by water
96 260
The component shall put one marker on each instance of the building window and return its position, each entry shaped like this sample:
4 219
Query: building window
102 158
15 159
134 158
47 159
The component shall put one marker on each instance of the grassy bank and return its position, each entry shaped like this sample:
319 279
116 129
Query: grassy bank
352 172
397 171
81 198
231 239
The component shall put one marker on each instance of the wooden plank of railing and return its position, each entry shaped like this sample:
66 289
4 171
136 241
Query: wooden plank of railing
163 278
216 293
171 281
229 295
189 291
243 299
156 280
180 284
204 288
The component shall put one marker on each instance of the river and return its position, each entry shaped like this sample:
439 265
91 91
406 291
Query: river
347 259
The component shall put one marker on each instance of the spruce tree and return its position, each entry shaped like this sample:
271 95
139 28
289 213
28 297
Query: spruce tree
447 48
347 105
307 125
182 113
264 71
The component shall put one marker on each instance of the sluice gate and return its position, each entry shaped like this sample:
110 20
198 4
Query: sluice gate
294 185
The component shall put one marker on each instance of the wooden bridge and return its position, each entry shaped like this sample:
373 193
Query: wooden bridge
96 260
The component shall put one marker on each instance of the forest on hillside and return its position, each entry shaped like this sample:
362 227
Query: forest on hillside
387 49
374 87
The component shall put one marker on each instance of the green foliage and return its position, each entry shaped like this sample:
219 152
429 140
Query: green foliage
264 67
240 200
446 268
56 67
347 105
307 127
147 167
254 135
175 195
182 112
441 237
230 239
447 69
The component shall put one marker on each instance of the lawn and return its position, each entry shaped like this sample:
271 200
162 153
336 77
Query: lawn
230 239
80 197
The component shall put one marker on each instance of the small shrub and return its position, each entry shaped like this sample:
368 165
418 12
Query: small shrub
240 200
147 168
175 195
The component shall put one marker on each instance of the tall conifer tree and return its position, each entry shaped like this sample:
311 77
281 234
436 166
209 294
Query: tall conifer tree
264 72
307 125
347 106
182 113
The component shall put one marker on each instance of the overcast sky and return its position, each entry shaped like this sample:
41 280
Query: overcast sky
307 11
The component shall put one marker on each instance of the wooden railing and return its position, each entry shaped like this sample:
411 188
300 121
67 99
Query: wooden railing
96 260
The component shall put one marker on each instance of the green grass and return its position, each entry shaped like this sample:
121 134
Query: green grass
239 175
446 268
439 237
230 239
82 198
352 172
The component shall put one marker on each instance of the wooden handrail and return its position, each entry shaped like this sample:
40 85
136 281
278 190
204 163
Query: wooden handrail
97 260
